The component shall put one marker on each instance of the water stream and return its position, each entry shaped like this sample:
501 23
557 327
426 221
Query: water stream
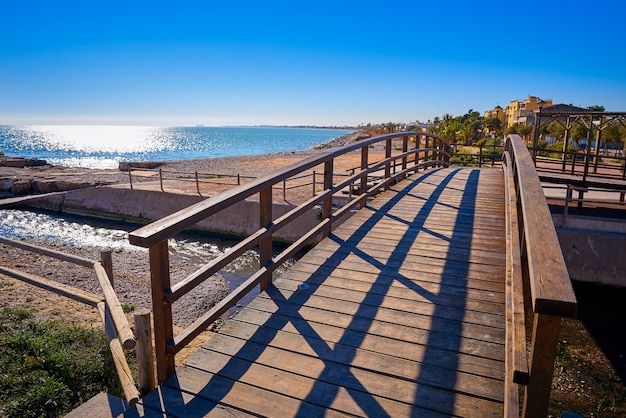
86 232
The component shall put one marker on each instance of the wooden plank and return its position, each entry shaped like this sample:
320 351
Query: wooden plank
292 283
420 272
408 251
418 305
277 331
287 355
396 264
470 338
359 281
372 390
71 292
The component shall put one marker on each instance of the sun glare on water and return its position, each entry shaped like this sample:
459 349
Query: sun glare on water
98 139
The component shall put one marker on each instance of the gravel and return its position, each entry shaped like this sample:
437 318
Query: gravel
131 277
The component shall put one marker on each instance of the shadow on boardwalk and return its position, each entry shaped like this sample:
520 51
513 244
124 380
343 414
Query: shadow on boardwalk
308 372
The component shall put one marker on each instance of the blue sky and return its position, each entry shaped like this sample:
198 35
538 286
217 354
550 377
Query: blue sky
314 63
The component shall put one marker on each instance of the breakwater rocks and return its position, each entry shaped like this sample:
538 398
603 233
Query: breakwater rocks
34 178
20 162
343 140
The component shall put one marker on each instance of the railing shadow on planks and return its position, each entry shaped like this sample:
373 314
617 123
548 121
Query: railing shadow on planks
412 151
119 334
538 285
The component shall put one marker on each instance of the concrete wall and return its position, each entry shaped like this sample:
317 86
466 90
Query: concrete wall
242 218
594 256
594 248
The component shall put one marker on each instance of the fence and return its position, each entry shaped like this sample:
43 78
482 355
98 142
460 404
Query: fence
119 334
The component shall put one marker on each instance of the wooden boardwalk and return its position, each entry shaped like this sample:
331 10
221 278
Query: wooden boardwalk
399 312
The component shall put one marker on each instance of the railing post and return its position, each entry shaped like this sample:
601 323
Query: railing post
426 145
364 164
107 262
163 327
161 179
542 354
198 184
130 176
314 185
387 156
405 148
265 245
327 204
145 357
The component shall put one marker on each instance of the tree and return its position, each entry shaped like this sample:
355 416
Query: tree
613 133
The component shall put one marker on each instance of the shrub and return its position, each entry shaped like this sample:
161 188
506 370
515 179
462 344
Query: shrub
49 368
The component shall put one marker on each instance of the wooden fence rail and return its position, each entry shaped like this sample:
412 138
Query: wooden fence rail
428 151
539 277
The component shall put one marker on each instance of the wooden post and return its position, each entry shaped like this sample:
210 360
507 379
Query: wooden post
265 245
405 148
387 156
596 149
119 359
162 309
161 179
130 177
364 164
145 357
327 204
542 355
314 185
107 262
198 184
426 141
417 154
565 143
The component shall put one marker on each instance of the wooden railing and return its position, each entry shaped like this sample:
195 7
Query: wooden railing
118 331
538 285
427 150
195 177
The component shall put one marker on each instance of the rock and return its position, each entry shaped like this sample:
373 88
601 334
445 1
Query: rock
22 162
20 188
124 166
6 184
51 186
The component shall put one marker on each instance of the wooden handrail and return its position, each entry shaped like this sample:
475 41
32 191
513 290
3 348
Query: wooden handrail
550 286
155 235
183 219
547 290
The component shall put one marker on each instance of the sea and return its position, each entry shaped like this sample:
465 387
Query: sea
104 147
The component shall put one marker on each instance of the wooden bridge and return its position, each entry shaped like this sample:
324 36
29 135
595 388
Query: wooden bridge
414 306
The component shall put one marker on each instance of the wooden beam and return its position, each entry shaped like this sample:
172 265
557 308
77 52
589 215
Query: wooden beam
162 310
265 244
76 294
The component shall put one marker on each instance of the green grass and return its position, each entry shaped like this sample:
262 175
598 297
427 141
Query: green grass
47 369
